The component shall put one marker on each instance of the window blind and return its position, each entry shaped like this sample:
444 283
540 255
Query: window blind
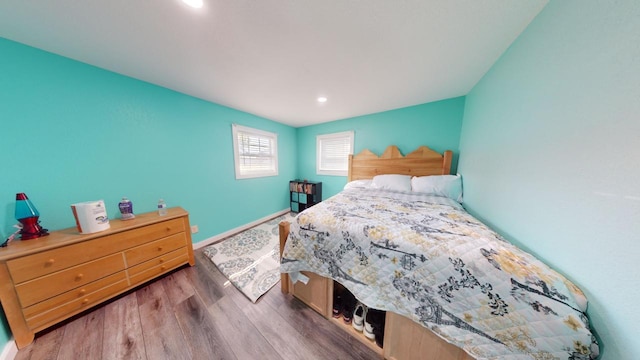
255 152
333 153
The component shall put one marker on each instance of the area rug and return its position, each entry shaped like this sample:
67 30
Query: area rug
251 259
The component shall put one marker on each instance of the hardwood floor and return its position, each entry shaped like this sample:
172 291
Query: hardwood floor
193 313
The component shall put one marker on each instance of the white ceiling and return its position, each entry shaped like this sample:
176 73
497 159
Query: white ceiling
273 58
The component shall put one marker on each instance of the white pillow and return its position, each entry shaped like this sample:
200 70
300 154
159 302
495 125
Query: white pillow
392 182
358 184
440 185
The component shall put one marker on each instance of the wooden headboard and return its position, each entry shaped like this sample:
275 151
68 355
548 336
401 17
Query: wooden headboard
421 162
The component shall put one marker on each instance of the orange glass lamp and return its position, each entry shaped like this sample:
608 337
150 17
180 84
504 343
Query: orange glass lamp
28 216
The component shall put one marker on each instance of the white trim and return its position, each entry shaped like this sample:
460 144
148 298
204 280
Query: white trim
10 350
226 234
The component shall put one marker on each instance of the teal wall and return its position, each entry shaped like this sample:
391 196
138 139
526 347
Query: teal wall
72 132
550 151
436 125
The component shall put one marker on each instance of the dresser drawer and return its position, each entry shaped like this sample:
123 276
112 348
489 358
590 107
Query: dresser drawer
152 268
148 233
43 319
154 249
74 294
48 286
35 265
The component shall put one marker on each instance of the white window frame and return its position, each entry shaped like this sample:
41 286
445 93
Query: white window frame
243 172
322 142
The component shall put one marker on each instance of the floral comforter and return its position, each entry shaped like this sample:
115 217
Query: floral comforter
424 257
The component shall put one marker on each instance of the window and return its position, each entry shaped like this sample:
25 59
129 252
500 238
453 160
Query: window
255 152
332 151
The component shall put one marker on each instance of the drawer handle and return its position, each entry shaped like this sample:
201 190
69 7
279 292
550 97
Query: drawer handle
82 292
159 248
168 229
161 260
162 268
85 301
79 277
50 262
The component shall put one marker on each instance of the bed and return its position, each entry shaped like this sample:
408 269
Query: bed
434 268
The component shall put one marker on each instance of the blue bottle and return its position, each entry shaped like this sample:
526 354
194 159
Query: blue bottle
126 209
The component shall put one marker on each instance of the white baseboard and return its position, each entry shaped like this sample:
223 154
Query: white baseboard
224 235
10 350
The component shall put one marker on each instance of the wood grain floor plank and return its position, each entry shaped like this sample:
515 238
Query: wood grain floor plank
123 338
309 323
45 346
242 336
282 335
302 333
83 337
203 337
276 331
177 287
201 278
161 331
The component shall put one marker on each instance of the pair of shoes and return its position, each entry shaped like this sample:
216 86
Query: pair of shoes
343 305
337 305
374 326
369 322
348 305
378 331
359 314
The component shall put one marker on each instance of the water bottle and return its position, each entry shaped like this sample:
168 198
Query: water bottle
162 208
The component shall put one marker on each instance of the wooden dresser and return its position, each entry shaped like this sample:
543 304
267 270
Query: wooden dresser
46 280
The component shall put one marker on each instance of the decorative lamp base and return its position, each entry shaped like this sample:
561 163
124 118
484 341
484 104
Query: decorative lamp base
31 229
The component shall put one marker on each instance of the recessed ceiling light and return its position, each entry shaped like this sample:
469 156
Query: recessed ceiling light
194 3
322 99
